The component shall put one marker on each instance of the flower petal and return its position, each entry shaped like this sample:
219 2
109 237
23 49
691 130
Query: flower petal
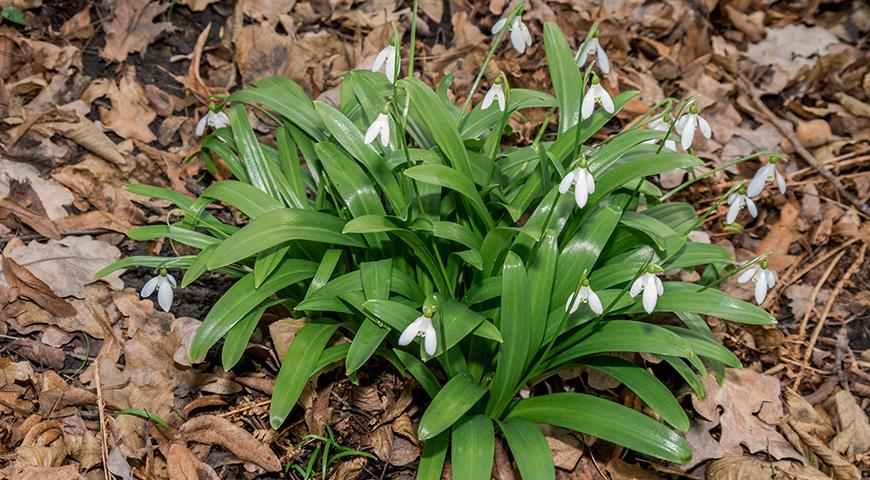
750 205
149 287
704 126
200 125
747 275
164 295
380 59
637 286
517 40
581 191
603 61
595 303
733 211
606 101
649 294
757 184
567 181
771 278
590 181
583 54
390 66
171 280
430 340
410 332
687 135
498 26
780 180
588 104
760 290
372 132
488 98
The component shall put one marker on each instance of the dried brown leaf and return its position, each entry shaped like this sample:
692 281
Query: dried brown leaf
212 430
751 468
130 114
30 286
854 436
132 27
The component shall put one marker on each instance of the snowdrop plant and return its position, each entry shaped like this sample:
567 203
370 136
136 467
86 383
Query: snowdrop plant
520 36
379 128
477 231
688 124
592 46
765 174
163 284
213 119
388 61
495 95
763 279
595 95
737 202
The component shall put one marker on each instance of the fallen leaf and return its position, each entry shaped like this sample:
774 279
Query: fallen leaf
182 465
854 436
67 472
35 289
130 114
52 194
213 430
744 467
69 264
132 27
746 408
780 237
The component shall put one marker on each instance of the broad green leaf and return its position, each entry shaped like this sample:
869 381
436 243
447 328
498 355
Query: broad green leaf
645 385
376 278
179 234
455 398
240 299
278 226
248 199
353 185
472 448
529 448
664 237
707 347
293 186
432 457
542 274
298 365
606 420
447 177
237 338
256 164
266 262
515 313
564 75
440 123
287 98
420 372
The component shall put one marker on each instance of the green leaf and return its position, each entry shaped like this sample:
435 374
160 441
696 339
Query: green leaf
530 448
472 448
664 237
564 74
247 198
376 278
454 399
240 299
278 226
420 372
298 365
515 313
236 341
707 346
138 412
351 138
256 164
432 457
293 186
144 261
440 123
542 274
447 177
288 99
688 297
606 420
645 385
179 234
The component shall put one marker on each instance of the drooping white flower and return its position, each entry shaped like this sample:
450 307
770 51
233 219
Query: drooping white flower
593 47
652 289
688 123
583 182
381 126
584 295
662 124
213 120
763 278
765 174
520 36
595 94
163 283
387 59
422 326
738 200
495 94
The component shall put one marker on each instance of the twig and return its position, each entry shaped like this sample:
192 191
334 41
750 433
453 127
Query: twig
853 269
811 306
101 407
799 148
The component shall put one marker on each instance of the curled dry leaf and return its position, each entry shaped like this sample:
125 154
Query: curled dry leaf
32 287
181 464
132 27
743 467
67 472
213 430
130 114
854 436
52 195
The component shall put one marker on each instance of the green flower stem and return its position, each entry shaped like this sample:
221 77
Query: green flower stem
499 37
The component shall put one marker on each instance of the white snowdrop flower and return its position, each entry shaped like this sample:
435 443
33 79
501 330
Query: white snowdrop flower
687 125
583 182
381 126
652 288
387 59
422 326
520 36
662 124
595 94
495 94
213 120
765 174
163 283
584 295
738 200
763 278
593 47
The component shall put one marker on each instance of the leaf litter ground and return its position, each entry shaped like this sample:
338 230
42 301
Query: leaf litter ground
96 96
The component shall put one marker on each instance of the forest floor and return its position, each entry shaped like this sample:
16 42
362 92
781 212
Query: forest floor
95 95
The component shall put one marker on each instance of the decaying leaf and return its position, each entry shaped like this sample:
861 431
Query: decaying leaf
35 289
130 114
854 436
744 467
132 27
213 430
